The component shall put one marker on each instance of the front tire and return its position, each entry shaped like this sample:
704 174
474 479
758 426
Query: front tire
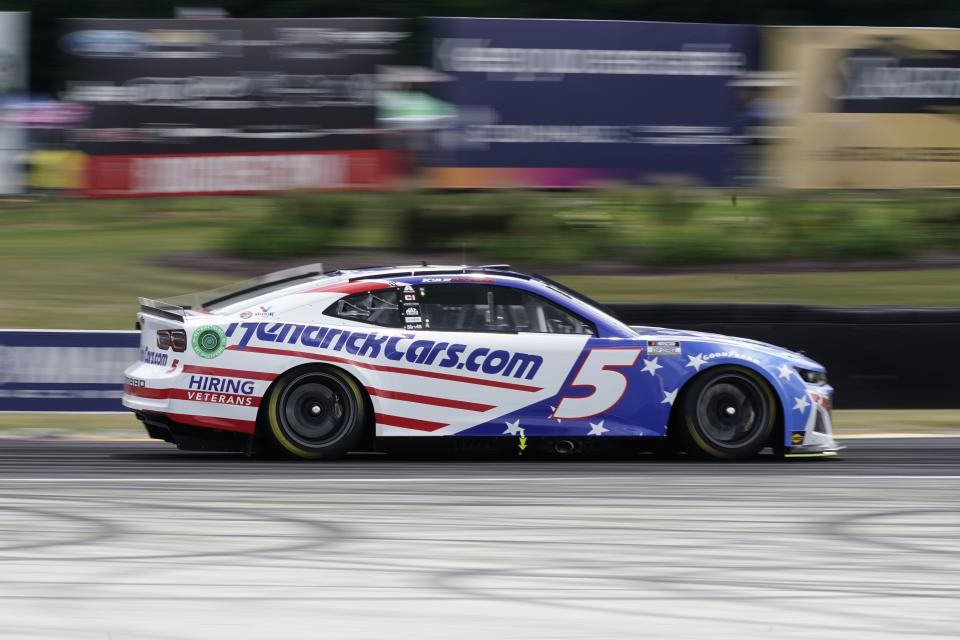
317 414
728 413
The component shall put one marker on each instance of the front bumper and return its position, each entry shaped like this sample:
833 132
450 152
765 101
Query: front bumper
815 440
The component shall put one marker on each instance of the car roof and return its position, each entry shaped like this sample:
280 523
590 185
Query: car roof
425 269
498 274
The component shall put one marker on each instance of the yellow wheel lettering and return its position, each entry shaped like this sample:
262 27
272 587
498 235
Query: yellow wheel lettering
277 430
709 449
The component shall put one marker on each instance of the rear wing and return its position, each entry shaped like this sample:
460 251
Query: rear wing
163 309
216 299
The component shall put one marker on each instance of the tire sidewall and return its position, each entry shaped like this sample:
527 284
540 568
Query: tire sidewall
348 437
699 444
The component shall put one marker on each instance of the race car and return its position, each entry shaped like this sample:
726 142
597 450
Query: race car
316 364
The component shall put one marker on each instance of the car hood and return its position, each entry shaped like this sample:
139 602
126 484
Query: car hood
654 333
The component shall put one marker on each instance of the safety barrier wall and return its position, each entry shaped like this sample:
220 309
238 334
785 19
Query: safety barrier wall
875 357
64 370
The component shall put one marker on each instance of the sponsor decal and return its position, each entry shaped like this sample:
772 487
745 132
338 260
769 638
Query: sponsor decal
136 383
797 437
219 390
663 348
222 385
405 347
409 297
209 341
153 357
263 311
412 310
727 354
220 398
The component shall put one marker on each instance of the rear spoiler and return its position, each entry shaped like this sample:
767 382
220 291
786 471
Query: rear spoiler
163 309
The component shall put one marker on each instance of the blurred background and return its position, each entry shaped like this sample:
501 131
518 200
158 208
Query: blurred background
641 152
782 170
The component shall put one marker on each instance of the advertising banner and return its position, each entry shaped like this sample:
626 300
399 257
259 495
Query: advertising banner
14 32
864 107
251 100
64 370
568 103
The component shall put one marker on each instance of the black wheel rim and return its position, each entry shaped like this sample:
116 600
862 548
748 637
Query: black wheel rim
316 409
732 410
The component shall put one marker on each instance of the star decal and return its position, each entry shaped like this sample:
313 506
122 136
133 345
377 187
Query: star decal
785 371
801 403
669 397
513 428
696 361
596 429
651 366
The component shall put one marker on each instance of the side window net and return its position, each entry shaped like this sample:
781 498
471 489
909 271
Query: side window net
373 307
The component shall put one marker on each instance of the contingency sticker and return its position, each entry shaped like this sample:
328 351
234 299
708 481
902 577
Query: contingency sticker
663 347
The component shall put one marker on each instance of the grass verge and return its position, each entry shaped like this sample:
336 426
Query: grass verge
82 264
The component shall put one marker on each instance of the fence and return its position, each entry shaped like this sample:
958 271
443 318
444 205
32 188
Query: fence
876 357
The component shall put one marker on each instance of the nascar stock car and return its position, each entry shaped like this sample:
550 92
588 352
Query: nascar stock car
315 364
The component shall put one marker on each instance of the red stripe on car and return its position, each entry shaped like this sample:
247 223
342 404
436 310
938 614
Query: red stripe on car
214 397
431 400
351 287
144 392
408 423
380 367
229 373
228 424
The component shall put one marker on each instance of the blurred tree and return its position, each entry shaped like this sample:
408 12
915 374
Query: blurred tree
44 54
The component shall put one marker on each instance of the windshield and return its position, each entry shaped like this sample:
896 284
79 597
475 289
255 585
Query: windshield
234 293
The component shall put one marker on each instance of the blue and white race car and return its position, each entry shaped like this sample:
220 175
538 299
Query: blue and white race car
315 364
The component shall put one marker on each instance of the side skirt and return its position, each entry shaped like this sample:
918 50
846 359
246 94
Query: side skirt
512 447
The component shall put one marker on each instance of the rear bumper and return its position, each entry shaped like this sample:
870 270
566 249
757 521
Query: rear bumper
192 438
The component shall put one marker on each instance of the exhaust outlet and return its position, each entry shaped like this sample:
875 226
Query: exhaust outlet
563 447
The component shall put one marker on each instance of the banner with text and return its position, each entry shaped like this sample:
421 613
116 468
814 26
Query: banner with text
261 104
569 103
864 107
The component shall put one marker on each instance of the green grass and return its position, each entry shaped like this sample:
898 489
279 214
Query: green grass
933 288
82 264
868 421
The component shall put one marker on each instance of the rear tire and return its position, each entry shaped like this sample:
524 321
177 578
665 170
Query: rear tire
728 413
316 414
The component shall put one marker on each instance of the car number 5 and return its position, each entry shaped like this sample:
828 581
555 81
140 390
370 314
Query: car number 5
598 371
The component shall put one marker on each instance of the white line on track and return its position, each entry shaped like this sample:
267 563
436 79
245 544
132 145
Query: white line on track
299 480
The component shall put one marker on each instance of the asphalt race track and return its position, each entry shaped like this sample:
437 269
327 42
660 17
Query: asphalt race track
137 541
